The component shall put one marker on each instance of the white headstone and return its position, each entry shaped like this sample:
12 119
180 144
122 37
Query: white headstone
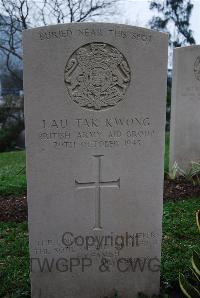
185 109
95 115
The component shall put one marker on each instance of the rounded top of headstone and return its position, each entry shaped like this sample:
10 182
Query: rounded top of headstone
97 76
187 48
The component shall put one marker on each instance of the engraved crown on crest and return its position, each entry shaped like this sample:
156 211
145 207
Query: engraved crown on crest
97 76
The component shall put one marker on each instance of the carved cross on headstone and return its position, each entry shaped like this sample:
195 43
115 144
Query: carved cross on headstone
97 185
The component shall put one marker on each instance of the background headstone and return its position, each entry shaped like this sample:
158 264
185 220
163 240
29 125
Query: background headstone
185 108
95 117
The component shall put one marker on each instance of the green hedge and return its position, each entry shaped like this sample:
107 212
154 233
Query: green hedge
9 134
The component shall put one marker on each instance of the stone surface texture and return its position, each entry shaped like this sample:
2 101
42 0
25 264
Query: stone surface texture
185 109
95 99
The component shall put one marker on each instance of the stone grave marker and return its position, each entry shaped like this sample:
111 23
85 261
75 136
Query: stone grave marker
95 115
185 108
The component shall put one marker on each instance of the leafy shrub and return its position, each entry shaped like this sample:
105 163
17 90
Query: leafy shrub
9 134
11 110
192 174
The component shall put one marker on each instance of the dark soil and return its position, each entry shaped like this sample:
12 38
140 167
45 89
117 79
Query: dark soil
180 188
15 208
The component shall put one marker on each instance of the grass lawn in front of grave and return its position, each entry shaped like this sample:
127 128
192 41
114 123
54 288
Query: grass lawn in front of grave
12 173
14 264
180 238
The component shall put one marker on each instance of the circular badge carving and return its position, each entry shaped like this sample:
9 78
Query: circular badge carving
97 76
197 68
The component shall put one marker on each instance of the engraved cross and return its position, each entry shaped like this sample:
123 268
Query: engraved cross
97 185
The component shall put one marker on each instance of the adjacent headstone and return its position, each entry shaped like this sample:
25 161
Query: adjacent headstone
95 118
185 109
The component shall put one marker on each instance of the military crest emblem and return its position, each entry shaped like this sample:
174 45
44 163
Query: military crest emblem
97 76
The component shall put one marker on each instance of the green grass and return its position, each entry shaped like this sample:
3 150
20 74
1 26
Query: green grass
14 272
12 173
180 238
